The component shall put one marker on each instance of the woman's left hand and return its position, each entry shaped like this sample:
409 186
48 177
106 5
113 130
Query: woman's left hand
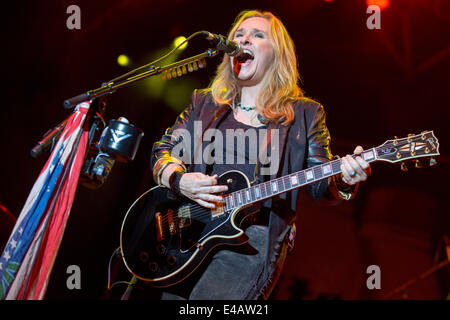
355 170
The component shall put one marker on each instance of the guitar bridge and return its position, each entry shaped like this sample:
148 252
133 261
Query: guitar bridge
170 221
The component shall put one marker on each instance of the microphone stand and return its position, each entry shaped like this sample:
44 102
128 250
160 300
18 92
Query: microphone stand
49 139
111 87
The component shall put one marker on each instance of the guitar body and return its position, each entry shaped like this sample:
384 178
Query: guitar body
164 238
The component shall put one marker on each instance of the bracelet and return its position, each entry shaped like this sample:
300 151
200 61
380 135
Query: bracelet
342 185
174 181
342 190
159 168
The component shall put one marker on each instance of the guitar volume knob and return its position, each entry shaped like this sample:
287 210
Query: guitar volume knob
143 256
433 162
153 266
171 260
403 167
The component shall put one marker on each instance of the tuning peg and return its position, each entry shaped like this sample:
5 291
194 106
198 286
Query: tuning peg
423 133
418 164
433 162
403 167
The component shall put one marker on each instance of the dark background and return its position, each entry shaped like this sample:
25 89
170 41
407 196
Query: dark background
374 84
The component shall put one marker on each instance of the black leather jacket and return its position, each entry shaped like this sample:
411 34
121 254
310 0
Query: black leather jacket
304 143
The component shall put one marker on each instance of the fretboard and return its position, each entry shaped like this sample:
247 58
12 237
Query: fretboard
289 182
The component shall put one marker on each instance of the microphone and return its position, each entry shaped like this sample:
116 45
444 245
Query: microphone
232 48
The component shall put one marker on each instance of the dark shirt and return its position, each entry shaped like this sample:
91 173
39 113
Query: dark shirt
238 149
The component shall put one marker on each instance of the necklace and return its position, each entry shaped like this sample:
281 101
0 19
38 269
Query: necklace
246 108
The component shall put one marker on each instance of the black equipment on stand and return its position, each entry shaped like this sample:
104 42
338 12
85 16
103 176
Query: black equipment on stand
119 142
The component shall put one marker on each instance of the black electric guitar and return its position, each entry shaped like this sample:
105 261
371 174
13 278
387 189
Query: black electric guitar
164 238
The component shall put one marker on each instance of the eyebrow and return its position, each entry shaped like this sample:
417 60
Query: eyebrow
254 29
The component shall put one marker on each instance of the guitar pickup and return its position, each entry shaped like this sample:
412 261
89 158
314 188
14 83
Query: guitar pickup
184 217
159 227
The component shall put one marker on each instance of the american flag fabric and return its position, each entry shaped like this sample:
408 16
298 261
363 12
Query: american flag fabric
28 257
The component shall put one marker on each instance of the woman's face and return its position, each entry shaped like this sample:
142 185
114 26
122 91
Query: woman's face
257 52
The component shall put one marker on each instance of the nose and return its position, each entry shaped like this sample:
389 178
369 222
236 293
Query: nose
245 39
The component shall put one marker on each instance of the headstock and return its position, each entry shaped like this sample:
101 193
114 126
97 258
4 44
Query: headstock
411 147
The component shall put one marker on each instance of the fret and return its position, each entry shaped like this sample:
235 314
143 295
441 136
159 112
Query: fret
301 177
243 196
287 182
227 203
252 193
268 188
231 200
263 190
239 196
317 173
336 165
233 197
280 185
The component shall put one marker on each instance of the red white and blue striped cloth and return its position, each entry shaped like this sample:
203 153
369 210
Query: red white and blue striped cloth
28 257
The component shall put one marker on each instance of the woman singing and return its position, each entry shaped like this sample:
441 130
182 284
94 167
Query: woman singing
252 93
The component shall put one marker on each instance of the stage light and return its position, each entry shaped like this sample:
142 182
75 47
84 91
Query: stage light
123 60
179 40
383 4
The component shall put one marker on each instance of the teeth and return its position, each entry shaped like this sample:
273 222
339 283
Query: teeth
246 51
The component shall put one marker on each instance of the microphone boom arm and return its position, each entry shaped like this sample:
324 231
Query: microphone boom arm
111 87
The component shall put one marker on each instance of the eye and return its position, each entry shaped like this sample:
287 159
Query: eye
260 35
238 34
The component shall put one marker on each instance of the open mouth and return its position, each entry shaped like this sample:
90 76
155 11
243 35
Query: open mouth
245 58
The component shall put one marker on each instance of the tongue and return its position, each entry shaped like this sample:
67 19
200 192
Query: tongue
245 57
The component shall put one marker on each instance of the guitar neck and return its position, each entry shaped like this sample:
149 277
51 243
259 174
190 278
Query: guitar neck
289 182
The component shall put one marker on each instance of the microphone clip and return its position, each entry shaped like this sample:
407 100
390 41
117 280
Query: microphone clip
230 47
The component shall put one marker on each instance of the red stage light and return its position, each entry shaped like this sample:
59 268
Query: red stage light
383 4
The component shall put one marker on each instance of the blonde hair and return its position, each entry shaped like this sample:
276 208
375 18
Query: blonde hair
280 85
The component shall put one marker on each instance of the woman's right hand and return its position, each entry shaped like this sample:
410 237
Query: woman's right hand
201 188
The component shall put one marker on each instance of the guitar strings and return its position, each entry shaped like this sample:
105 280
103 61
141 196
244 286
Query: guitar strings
200 212
206 212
